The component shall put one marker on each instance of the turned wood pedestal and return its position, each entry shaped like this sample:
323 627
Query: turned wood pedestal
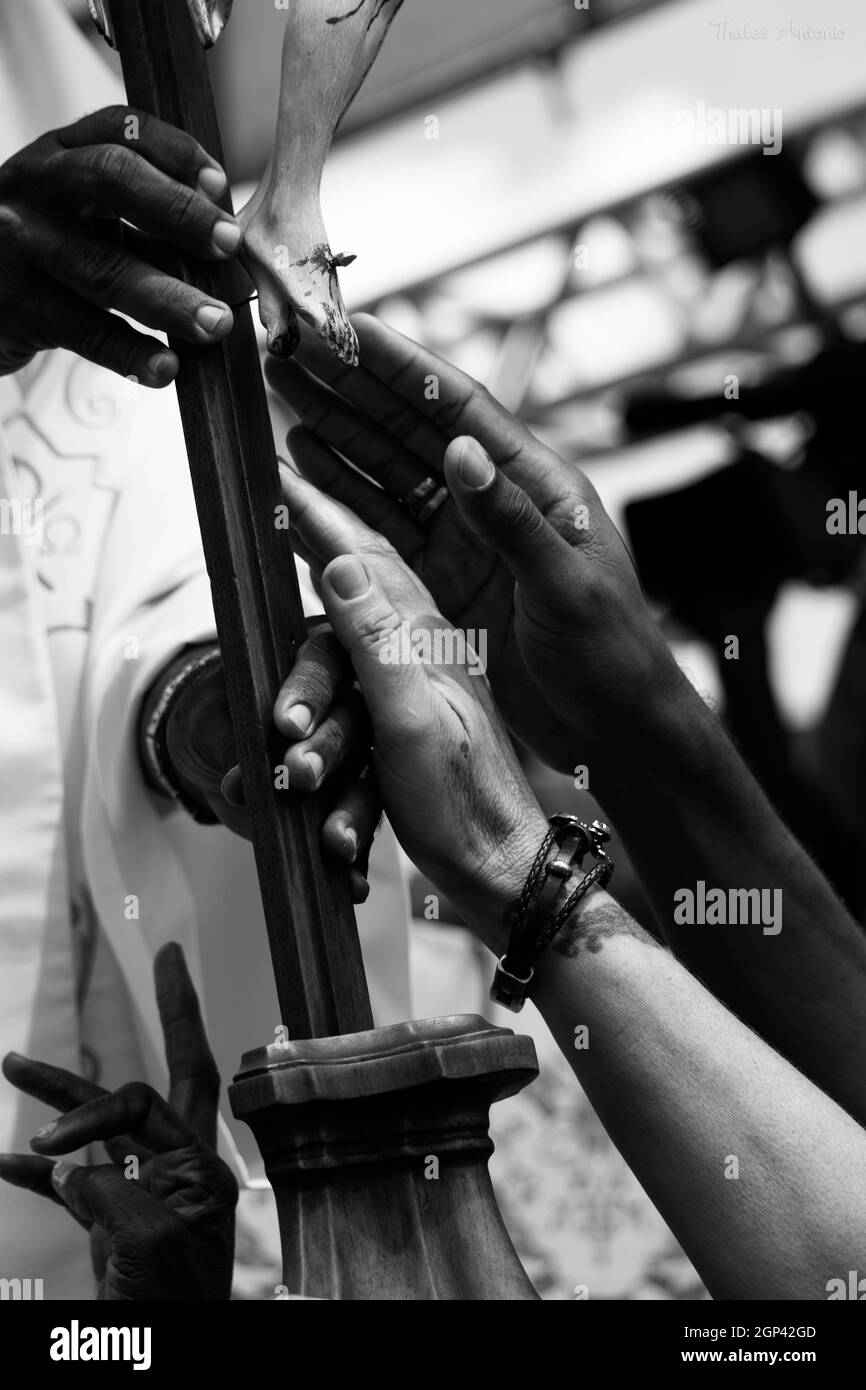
376 1145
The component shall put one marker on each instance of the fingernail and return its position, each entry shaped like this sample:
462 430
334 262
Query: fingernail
350 840
301 716
46 1131
232 787
212 181
475 466
348 577
162 368
315 766
210 316
61 1171
226 237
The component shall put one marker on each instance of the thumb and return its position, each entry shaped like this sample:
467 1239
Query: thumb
506 518
370 628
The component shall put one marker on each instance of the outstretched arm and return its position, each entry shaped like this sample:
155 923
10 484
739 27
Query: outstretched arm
760 1175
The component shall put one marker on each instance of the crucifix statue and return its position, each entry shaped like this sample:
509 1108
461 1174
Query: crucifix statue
375 1140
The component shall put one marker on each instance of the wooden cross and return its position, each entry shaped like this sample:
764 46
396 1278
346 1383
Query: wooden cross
375 1142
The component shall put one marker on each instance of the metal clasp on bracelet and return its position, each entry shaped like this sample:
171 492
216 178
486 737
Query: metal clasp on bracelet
509 990
598 833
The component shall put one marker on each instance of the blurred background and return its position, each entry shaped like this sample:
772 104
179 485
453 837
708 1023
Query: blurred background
686 318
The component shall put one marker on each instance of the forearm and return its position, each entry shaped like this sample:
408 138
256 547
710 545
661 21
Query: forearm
759 1174
690 813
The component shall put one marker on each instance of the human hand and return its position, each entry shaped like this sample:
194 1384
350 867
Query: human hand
162 1211
321 715
77 209
522 548
451 784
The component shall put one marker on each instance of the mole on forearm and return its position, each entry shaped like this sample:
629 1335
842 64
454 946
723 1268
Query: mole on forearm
594 922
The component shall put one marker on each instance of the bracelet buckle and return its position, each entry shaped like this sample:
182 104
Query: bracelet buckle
507 989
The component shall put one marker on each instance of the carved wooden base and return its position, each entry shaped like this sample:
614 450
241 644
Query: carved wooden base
376 1145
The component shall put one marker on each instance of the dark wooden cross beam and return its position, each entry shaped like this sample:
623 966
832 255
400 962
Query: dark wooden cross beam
313 937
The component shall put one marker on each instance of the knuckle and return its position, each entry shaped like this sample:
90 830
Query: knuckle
144 122
137 1096
519 513
112 117
170 298
91 340
104 269
183 150
467 394
320 668
203 1070
315 685
375 629
108 163
322 648
94 338
322 638
331 739
182 207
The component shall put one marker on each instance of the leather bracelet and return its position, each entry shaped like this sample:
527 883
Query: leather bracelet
546 903
158 764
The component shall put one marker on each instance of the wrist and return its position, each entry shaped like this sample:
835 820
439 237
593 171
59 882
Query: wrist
556 885
599 941
655 743
164 773
488 905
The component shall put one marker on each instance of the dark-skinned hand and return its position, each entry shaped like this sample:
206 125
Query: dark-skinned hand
521 549
322 718
82 212
167 1233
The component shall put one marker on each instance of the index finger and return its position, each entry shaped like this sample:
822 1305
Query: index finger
60 1089
161 144
194 1082
465 407
453 400
326 527
404 421
133 1109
